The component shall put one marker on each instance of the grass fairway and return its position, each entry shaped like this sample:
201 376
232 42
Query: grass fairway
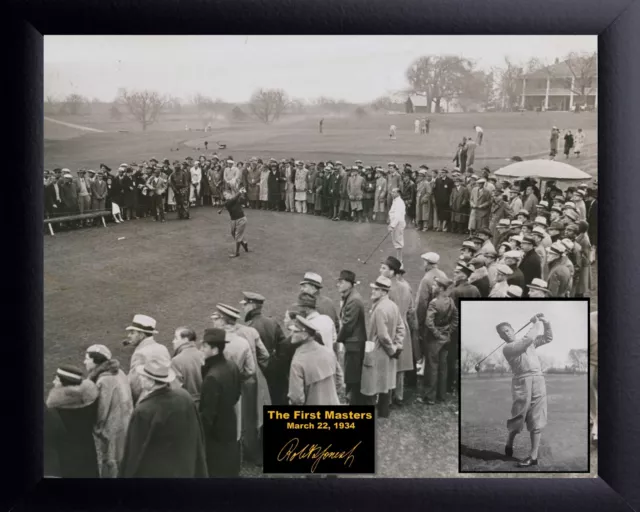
344 138
486 405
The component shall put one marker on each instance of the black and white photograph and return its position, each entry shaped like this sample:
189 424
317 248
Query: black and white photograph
525 385
232 222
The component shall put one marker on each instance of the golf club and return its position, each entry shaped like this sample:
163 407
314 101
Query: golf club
377 247
477 367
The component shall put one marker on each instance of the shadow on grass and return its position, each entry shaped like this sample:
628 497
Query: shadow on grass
484 454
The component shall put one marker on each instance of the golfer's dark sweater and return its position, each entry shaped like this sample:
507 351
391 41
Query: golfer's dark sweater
235 208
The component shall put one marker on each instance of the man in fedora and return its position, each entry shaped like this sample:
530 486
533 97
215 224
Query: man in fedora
386 334
140 336
402 296
238 350
221 390
163 414
530 265
441 323
255 390
538 289
352 334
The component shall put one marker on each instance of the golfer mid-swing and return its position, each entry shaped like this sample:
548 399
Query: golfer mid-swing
527 386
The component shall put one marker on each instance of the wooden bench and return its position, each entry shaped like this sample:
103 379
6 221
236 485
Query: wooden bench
65 218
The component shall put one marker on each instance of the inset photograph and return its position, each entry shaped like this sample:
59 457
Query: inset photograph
524 391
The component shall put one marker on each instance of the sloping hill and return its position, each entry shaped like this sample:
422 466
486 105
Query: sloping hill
59 130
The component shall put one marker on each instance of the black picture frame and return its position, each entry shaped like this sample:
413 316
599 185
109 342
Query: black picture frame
616 23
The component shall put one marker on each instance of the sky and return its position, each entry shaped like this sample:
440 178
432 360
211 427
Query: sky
569 323
353 68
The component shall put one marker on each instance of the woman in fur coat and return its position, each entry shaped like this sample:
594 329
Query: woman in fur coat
115 406
74 401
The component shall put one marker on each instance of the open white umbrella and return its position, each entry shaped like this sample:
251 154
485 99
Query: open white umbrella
543 170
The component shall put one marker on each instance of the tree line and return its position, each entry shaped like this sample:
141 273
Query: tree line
438 78
576 362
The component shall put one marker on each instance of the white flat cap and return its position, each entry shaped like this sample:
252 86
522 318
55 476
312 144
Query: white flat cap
431 257
504 269
512 254
514 291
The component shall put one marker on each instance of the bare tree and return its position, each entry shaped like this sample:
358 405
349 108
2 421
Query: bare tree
578 359
145 106
438 77
510 84
73 104
468 360
478 89
268 104
584 74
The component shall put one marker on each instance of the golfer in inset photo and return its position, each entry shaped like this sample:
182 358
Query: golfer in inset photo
527 387
524 368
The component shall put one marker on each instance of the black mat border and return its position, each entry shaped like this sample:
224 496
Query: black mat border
497 301
615 21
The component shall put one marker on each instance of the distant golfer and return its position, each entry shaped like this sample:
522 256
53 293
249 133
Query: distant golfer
397 222
392 131
320 124
527 386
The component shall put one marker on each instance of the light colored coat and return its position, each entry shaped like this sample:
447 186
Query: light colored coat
147 350
264 184
255 390
301 184
402 296
582 281
387 331
115 407
187 363
315 377
380 196
238 351
424 201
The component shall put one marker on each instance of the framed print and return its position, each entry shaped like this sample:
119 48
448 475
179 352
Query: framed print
214 218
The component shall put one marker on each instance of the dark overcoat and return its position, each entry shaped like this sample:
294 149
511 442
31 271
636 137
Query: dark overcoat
128 192
353 334
459 202
531 268
75 409
273 338
221 388
165 438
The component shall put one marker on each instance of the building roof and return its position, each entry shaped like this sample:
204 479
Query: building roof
418 101
560 70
